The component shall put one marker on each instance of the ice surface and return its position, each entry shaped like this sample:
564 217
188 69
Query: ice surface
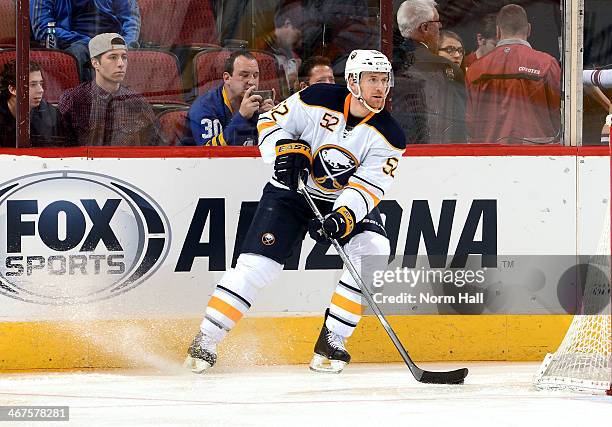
495 394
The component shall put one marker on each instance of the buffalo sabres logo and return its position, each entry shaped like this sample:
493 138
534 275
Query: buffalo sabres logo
268 239
332 167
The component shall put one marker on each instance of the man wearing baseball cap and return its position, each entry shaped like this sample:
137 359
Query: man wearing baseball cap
76 22
104 111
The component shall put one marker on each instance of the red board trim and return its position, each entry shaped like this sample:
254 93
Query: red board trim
463 150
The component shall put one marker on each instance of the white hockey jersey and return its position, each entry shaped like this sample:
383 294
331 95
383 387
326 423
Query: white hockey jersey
351 167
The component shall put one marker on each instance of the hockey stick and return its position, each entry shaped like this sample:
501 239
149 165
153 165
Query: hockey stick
421 375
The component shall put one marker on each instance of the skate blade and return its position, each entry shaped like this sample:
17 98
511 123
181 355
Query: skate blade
323 364
196 366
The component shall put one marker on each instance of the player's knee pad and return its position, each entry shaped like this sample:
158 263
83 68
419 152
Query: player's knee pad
369 252
367 243
252 272
261 270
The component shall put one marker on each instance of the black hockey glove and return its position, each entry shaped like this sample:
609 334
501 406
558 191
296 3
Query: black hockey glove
293 161
336 225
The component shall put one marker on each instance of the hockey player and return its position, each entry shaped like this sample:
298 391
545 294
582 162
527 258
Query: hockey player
349 148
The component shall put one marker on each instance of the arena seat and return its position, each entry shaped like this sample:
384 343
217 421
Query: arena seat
167 23
208 71
60 70
7 23
174 125
155 75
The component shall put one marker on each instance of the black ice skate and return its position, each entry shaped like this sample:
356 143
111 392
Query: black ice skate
330 354
202 354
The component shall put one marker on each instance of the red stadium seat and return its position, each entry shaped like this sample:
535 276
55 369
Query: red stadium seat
209 64
59 70
155 75
7 23
169 23
174 125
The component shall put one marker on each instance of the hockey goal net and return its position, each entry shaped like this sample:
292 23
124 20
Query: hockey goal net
583 361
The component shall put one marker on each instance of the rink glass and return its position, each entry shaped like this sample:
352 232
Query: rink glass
173 32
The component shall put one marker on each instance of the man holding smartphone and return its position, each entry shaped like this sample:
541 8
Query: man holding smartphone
227 115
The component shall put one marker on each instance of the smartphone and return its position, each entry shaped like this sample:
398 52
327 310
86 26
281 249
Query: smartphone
265 94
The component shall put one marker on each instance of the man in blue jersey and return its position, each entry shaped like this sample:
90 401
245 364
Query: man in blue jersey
227 115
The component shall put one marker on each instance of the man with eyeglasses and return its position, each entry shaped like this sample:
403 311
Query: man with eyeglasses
429 97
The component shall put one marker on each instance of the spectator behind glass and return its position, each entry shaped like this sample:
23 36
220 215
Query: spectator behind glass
429 93
77 21
104 111
286 37
316 69
597 56
334 28
486 38
524 108
228 114
451 47
45 123
596 107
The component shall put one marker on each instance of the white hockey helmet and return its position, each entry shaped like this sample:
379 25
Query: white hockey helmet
373 61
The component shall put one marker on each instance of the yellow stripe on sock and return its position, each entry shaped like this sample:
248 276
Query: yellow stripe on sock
346 304
225 308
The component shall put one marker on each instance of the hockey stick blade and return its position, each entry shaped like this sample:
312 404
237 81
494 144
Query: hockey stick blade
429 377
449 377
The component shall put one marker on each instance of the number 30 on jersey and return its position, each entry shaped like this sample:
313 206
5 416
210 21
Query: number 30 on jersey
211 128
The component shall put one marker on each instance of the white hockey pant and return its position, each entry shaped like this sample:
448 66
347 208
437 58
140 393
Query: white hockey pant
237 289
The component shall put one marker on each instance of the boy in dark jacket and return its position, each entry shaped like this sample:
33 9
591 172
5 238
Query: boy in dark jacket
46 128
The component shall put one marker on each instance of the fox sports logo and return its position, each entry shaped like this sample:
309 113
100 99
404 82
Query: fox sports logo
73 237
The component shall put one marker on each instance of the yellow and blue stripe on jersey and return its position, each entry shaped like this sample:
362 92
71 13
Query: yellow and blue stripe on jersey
213 122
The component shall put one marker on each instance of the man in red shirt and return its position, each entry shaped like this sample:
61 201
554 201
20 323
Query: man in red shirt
513 93
486 39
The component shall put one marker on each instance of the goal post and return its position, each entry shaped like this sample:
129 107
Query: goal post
583 361
609 221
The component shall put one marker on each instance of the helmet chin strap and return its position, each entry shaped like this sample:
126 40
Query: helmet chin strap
363 101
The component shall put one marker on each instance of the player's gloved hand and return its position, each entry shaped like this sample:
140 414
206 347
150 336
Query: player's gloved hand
335 225
293 160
